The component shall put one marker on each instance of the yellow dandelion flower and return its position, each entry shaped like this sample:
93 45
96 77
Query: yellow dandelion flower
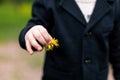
52 44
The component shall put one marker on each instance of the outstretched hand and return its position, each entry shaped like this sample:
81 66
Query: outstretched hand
37 34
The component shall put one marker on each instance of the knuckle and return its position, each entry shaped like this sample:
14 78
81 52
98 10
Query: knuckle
44 31
38 36
27 34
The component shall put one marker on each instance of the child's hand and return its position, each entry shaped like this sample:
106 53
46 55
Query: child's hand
37 34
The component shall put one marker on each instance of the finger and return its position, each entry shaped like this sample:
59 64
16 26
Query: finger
28 46
39 38
34 43
45 35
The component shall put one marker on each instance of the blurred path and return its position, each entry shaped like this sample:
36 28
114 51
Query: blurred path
15 66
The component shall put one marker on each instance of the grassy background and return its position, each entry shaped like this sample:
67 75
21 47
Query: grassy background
15 63
12 19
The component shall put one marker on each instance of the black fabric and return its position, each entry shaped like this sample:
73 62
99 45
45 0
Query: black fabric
85 48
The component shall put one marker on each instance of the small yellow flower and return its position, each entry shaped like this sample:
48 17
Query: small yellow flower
52 44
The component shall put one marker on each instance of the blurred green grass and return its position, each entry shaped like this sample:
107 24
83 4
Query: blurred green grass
12 19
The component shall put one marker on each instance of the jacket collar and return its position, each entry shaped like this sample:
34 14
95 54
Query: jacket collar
101 8
71 7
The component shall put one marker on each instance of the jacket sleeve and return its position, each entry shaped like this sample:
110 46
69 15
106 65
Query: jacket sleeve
41 15
115 48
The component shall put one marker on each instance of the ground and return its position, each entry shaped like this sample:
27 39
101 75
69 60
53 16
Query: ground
17 64
14 66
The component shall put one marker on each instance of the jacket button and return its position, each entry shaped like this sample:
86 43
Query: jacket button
88 33
87 61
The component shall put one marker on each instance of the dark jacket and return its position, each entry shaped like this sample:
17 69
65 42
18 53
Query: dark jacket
85 48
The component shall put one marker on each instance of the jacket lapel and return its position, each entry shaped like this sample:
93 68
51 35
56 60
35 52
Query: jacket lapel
71 7
101 8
